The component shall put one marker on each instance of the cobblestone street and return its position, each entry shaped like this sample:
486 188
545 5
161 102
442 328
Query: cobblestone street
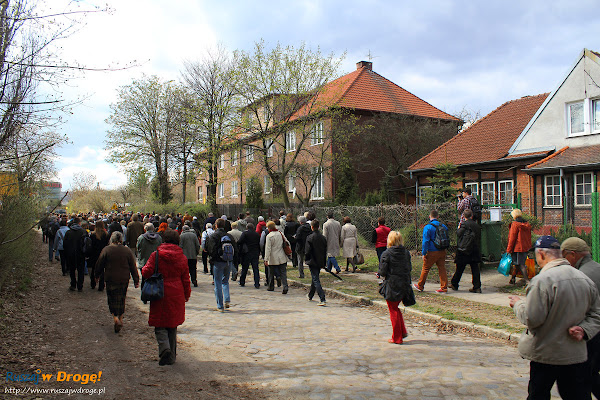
300 350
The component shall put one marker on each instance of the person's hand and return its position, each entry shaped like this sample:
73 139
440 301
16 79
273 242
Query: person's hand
513 300
576 333
266 264
136 285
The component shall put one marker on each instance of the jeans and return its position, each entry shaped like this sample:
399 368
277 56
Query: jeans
167 340
380 251
248 259
50 248
460 268
438 258
316 284
233 267
570 381
331 261
301 255
279 271
221 279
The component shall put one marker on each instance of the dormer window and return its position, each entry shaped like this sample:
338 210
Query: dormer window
576 120
596 116
583 117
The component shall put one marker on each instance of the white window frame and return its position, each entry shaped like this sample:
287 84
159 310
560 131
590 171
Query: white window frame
200 194
222 161
291 181
595 116
290 141
553 195
591 118
482 200
473 192
421 194
316 134
249 154
267 184
318 188
582 185
269 145
234 158
512 191
221 188
234 189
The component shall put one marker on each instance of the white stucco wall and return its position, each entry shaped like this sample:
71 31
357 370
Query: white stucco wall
550 128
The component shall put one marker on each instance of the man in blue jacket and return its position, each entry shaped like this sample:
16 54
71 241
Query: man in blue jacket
433 255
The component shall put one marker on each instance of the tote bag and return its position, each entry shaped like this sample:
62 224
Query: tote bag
153 288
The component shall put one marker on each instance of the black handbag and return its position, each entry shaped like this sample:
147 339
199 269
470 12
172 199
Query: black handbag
153 288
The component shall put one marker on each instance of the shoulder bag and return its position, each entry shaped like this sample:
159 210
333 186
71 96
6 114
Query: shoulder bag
153 288
286 246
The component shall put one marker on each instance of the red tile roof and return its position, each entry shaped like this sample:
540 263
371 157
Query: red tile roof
364 89
488 139
569 157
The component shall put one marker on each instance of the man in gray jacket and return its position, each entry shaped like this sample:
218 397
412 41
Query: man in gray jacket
577 252
561 309
188 241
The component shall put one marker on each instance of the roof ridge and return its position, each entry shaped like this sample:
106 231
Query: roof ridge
476 123
351 83
551 156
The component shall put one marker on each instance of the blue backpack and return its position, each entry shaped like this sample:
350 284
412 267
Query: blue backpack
226 251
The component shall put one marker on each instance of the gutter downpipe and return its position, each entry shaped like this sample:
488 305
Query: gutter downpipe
564 184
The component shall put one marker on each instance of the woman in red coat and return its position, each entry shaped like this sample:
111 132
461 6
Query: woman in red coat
169 312
519 243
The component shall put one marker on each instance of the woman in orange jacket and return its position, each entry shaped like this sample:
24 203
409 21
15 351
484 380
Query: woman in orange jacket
519 243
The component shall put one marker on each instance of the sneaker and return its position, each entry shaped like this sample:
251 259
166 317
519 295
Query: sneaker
473 290
440 290
322 304
226 304
453 287
417 287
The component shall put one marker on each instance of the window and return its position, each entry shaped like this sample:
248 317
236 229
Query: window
291 181
269 144
290 141
505 192
553 191
474 186
575 117
234 189
596 115
267 184
249 154
488 192
316 136
318 189
221 190
583 189
234 158
222 161
200 195
422 194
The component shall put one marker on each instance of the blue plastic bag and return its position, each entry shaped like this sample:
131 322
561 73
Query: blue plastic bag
505 263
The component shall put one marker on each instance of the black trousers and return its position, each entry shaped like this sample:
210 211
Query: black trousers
593 362
193 272
205 262
247 260
460 268
76 271
63 262
570 380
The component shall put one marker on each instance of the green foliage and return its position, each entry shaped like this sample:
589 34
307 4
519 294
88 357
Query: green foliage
161 190
347 189
567 231
372 198
254 197
442 189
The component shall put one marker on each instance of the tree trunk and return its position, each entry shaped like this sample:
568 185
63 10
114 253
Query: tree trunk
184 185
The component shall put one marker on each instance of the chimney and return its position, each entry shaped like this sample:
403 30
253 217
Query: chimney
364 64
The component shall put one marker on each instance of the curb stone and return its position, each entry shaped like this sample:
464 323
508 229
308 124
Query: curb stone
512 338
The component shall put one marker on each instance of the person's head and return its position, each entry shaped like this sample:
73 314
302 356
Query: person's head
380 221
434 214
149 227
466 191
224 217
330 214
302 219
281 213
395 239
347 220
208 226
314 224
247 213
171 236
289 217
516 213
234 225
211 214
123 222
116 238
169 220
468 214
271 226
163 227
76 220
311 216
574 249
547 248
306 214
277 221
260 218
220 223
188 223
135 218
63 222
250 226
185 228
241 216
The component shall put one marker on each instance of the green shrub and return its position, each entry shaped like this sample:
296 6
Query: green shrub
567 231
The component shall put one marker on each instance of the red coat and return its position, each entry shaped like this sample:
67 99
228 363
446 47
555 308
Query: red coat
260 226
169 312
519 237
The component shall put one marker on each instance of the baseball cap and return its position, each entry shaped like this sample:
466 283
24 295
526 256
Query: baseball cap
575 244
546 242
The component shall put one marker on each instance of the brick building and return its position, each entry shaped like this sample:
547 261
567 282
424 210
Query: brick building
310 131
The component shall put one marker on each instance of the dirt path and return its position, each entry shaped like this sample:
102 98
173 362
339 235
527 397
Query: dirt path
49 329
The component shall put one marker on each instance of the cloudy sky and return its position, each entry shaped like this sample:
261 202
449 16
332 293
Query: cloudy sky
453 54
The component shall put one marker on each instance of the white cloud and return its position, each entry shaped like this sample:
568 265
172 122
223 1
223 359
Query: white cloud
89 160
